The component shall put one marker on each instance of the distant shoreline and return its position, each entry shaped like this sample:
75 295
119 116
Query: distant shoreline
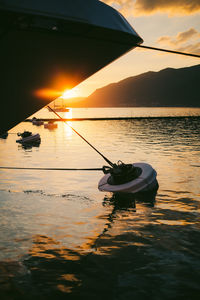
176 106
109 118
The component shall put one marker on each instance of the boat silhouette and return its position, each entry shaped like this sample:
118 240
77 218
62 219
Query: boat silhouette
54 41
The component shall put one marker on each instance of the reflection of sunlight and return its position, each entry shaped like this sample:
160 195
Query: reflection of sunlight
68 115
68 130
48 247
175 222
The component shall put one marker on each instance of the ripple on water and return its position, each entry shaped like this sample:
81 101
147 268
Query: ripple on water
60 237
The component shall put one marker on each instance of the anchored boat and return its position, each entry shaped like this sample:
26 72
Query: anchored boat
50 125
27 138
37 122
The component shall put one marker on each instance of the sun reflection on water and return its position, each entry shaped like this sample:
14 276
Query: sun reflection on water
68 114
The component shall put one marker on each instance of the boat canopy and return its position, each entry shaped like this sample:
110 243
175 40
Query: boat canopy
54 45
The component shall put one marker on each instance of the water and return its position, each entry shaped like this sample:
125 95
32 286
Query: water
60 238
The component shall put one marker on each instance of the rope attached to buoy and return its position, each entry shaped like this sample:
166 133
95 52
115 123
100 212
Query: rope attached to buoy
53 169
105 158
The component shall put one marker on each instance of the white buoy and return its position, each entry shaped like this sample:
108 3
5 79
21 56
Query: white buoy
145 180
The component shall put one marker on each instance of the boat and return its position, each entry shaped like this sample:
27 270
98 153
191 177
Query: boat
37 122
28 138
129 179
62 109
55 45
50 125
59 109
4 135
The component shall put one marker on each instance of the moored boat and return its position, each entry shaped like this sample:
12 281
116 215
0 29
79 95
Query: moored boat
62 109
58 108
27 138
4 135
37 122
50 125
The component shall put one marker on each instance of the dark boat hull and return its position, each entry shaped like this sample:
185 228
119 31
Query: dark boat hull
40 52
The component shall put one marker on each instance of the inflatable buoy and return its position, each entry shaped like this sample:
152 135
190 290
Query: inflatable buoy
141 178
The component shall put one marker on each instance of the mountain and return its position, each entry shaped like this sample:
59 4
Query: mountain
168 87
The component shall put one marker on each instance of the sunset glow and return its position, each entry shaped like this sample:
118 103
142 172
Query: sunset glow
172 25
70 93
166 24
47 93
59 85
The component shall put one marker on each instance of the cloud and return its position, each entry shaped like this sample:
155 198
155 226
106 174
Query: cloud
193 48
126 7
180 38
186 41
172 7
146 7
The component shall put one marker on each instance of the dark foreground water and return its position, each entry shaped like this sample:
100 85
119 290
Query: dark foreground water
60 238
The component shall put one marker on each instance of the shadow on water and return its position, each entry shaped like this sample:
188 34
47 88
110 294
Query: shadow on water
134 257
127 202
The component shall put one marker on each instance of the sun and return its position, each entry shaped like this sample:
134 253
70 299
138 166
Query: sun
70 93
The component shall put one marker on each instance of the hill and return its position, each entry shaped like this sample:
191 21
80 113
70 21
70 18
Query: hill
168 87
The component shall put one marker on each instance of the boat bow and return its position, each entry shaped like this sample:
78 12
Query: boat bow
54 44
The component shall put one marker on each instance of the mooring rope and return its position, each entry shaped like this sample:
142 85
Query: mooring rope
170 51
105 158
53 169
65 169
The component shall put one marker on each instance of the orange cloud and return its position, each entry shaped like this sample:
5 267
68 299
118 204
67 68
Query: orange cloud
146 7
185 41
193 48
180 38
126 7
172 7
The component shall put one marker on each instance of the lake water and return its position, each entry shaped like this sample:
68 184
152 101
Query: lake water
60 238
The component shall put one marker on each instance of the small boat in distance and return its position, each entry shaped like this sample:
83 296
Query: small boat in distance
59 109
50 125
58 105
37 122
4 135
62 109
28 138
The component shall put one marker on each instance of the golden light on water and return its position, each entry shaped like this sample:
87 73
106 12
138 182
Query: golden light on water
68 131
68 115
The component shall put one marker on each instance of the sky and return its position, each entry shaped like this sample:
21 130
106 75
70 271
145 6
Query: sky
169 24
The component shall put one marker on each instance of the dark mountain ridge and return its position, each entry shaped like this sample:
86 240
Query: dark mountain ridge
168 87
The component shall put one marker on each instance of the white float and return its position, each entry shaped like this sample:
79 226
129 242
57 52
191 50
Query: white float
146 181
